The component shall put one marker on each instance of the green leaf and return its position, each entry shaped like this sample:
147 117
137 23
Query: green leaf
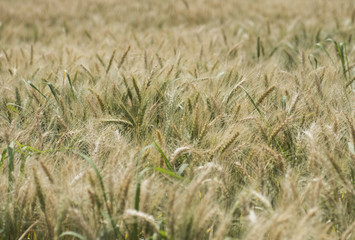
346 67
128 114
167 172
3 156
141 153
24 147
70 83
326 52
163 234
137 201
164 157
92 164
138 189
35 88
11 108
312 57
23 162
11 156
253 102
30 149
341 50
73 234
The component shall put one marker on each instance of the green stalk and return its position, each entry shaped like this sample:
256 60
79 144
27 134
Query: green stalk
92 164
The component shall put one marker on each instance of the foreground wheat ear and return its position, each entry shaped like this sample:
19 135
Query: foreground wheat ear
177 119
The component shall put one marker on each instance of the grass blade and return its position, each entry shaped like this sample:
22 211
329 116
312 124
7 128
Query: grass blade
73 234
340 49
164 157
11 153
253 102
170 173
312 57
88 72
53 92
347 61
35 88
326 52
136 88
92 164
138 189
34 150
24 147
10 107
137 201
70 83
141 153
128 114
3 156
27 231
23 163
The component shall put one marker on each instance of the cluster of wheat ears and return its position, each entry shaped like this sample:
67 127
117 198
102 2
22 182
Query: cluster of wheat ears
201 119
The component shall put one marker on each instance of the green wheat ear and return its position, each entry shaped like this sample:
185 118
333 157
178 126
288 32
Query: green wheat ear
53 92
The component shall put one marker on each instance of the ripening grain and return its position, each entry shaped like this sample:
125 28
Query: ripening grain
200 119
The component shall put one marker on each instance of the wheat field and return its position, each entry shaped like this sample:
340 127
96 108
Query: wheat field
202 119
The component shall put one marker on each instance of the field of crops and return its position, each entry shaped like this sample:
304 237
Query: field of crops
163 119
